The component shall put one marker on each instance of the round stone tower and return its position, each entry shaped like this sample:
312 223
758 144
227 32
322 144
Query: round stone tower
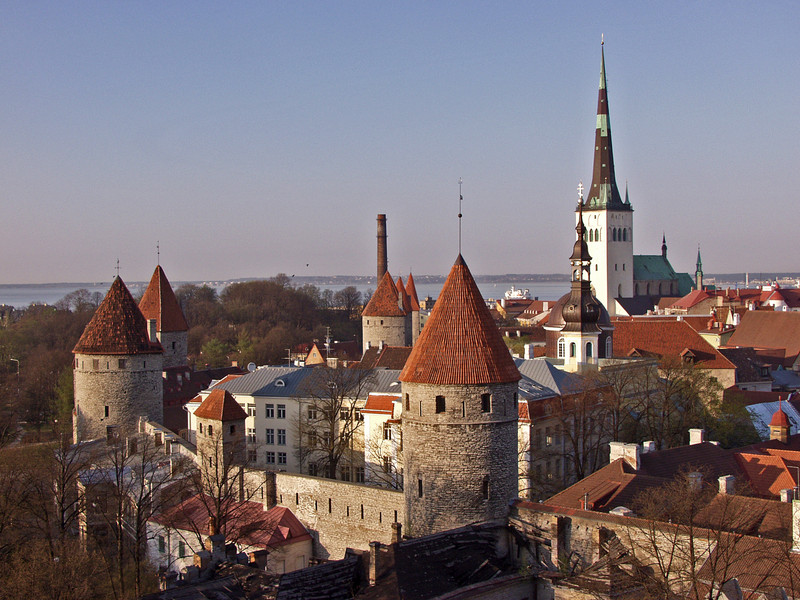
159 303
459 415
117 369
384 322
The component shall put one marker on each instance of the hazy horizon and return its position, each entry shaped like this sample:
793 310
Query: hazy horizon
249 139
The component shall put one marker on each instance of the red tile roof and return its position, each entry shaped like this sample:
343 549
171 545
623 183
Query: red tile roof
779 419
247 523
220 405
666 338
403 295
769 329
379 404
691 299
384 302
411 290
460 343
117 327
390 357
159 303
767 474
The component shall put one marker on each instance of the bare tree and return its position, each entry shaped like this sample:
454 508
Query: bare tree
327 428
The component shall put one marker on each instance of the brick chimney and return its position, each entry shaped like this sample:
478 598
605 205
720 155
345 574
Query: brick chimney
630 452
383 261
374 555
697 436
726 484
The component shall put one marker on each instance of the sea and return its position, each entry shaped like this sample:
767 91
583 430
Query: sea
23 295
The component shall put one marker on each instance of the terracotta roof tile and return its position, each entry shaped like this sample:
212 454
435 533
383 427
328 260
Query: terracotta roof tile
220 405
403 295
389 357
666 338
248 522
159 303
117 327
411 290
460 343
379 404
384 302
767 474
769 329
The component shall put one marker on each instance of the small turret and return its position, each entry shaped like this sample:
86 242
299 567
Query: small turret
779 426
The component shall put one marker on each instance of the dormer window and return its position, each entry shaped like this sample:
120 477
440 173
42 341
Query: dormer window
280 383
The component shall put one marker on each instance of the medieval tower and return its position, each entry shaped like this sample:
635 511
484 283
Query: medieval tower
609 220
117 369
459 415
159 303
391 317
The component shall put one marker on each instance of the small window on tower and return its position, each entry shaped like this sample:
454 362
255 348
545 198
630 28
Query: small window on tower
439 404
485 488
105 412
486 403
96 364
122 363
233 429
419 487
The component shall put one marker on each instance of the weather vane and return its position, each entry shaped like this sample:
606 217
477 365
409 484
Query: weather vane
460 199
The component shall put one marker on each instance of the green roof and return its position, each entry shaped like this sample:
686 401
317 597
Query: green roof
686 283
652 267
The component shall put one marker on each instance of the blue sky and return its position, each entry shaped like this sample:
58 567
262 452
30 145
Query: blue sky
257 138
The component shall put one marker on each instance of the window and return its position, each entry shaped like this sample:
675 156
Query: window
252 456
312 413
572 349
557 436
281 411
346 473
173 345
105 412
387 431
162 546
96 364
313 469
485 488
439 404
122 363
463 409
537 439
419 487
359 474
181 549
251 410
270 438
588 349
251 435
548 437
344 415
408 403
281 458
516 399
561 348
270 458
387 464
359 416
210 430
270 412
210 462
201 428
281 437
311 439
233 429
486 403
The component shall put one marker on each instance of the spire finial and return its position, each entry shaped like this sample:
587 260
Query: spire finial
580 192
460 198
158 253
117 267
601 39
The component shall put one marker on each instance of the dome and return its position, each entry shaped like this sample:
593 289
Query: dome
556 318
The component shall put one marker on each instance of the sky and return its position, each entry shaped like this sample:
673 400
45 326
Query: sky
252 138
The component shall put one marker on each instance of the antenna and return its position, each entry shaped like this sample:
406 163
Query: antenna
460 198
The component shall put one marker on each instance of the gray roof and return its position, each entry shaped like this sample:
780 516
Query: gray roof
283 382
542 379
761 415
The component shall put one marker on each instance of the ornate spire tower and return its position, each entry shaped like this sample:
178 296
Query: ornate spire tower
698 274
609 220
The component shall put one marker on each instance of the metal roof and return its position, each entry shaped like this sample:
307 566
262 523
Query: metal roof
761 415
542 379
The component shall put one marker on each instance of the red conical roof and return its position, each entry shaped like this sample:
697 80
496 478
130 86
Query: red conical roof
411 290
384 302
220 405
403 295
117 327
159 303
460 343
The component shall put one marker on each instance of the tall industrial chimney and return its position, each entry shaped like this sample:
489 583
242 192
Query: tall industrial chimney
382 260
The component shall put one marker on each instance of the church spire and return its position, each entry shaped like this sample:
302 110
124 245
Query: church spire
604 193
698 274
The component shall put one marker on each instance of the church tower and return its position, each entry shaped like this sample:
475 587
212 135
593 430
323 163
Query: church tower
609 219
117 369
459 416
159 303
698 274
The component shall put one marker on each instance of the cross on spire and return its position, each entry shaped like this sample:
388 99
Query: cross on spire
580 191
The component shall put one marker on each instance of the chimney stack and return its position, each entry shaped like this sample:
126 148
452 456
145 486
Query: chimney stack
382 258
727 484
697 436
374 555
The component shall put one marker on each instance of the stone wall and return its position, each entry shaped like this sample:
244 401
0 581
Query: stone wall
176 348
339 514
461 463
392 331
129 390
